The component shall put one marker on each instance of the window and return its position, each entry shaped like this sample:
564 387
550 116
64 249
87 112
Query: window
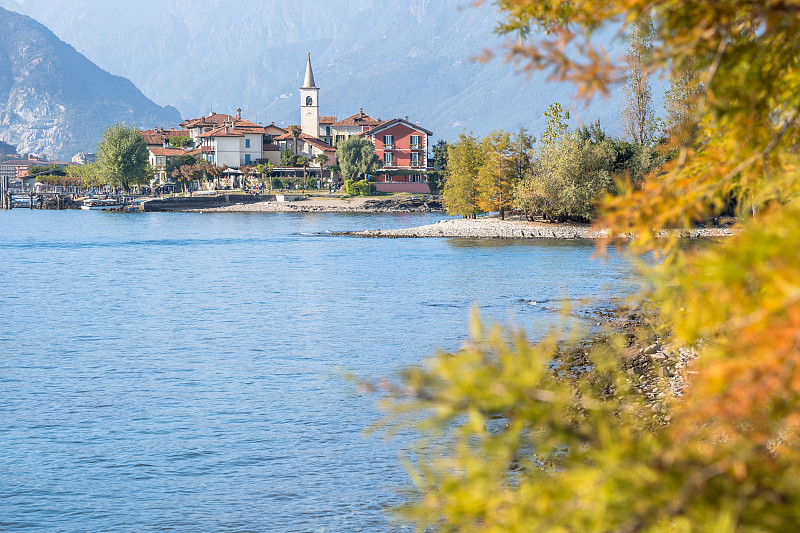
339 138
415 142
387 178
246 159
247 143
309 100
327 131
414 159
388 158
388 141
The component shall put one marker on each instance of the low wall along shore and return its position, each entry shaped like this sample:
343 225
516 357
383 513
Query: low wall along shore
182 203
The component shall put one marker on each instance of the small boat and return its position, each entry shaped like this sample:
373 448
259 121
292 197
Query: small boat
101 204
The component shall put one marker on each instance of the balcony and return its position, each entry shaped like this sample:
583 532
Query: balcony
388 147
416 147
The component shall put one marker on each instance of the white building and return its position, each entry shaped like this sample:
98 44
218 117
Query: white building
236 144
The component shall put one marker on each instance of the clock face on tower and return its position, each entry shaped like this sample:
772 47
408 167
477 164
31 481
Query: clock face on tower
308 113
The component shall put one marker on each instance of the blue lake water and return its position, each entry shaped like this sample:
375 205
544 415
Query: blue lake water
183 371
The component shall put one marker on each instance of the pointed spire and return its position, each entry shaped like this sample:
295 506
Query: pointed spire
308 83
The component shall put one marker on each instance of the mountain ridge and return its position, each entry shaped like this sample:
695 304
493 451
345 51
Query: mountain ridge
391 57
56 102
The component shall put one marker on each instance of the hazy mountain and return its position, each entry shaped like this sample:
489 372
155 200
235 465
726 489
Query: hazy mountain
391 57
54 101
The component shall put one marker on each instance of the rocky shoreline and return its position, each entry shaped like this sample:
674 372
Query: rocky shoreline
491 227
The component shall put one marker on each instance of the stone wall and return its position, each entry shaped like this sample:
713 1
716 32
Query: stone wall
181 203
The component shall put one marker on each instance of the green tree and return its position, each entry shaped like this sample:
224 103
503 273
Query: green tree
322 161
122 156
89 175
533 443
296 132
264 170
465 160
180 141
288 158
356 158
556 124
440 156
177 161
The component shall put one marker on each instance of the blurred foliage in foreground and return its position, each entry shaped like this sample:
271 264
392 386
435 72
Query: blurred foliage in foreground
520 444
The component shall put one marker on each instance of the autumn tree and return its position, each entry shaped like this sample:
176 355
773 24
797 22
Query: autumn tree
680 101
524 440
122 156
639 121
465 159
508 160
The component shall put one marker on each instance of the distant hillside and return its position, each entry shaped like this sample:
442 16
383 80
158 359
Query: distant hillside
54 101
391 57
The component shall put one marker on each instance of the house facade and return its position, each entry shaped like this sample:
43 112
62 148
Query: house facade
402 146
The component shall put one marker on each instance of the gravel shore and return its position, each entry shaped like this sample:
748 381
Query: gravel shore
491 227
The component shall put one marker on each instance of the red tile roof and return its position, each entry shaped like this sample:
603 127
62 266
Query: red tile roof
322 145
359 119
214 119
327 120
172 151
159 135
389 123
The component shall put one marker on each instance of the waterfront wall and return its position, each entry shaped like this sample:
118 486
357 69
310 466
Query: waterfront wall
417 188
180 203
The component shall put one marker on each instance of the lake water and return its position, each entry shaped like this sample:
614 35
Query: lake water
183 371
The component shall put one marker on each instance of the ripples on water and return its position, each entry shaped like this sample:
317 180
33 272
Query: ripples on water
184 371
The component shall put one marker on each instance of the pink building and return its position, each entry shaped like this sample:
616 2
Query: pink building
403 148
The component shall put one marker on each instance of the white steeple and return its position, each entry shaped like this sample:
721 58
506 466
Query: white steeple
308 83
309 106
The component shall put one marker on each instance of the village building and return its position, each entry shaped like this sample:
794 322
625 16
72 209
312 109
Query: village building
402 146
307 146
352 126
82 158
229 140
161 156
159 137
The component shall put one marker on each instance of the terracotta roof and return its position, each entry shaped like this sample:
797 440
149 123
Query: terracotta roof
159 135
327 120
172 151
224 131
359 119
211 120
322 145
388 123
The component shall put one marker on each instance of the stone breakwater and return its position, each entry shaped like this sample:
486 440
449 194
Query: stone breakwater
494 228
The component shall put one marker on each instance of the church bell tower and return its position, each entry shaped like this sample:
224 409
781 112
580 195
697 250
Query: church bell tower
309 106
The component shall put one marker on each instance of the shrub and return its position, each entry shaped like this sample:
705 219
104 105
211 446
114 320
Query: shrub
277 183
360 188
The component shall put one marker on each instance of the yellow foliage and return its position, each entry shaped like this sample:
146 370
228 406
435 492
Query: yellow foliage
519 443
